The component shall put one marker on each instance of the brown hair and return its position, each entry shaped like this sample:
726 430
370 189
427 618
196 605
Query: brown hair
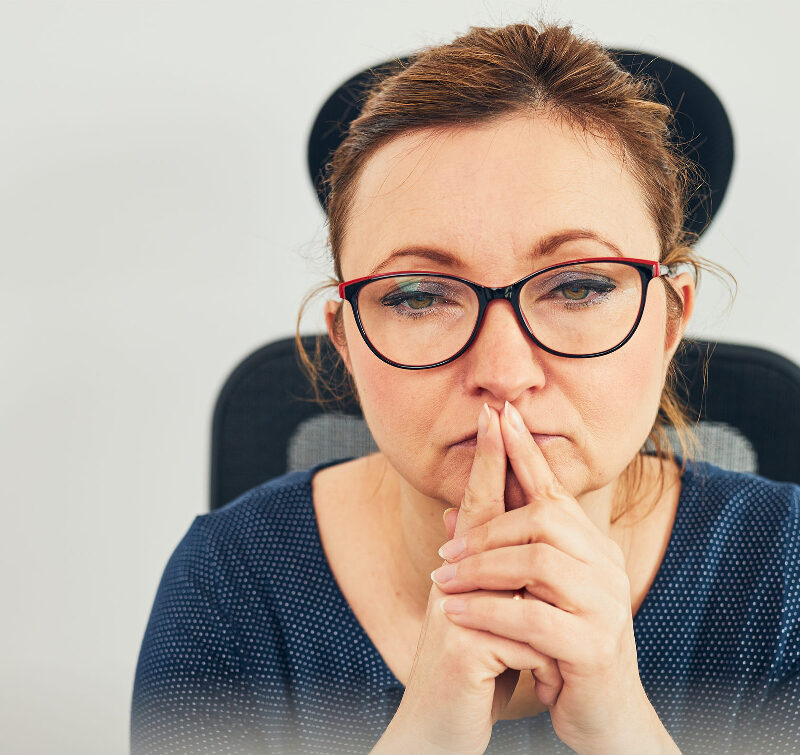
489 73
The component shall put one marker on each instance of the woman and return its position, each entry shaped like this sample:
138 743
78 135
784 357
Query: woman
511 573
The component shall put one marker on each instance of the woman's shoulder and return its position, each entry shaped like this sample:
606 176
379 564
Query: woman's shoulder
740 517
280 506
281 498
254 550
741 495
258 533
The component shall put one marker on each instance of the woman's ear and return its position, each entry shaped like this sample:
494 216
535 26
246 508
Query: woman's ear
334 322
684 288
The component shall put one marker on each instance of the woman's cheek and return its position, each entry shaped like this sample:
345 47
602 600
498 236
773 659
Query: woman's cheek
393 404
618 405
404 412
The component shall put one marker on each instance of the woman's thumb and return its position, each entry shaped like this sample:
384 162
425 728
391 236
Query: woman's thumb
450 517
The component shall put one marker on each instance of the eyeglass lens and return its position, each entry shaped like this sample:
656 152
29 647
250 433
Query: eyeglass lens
418 320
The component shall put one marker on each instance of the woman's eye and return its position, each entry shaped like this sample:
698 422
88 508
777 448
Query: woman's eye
419 301
575 291
583 290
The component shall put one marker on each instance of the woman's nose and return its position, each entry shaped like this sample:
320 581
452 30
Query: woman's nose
503 359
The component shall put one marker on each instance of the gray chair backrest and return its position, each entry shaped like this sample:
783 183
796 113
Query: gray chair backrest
334 436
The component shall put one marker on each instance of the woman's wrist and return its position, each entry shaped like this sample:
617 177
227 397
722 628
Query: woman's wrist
657 740
651 738
396 742
406 734
661 742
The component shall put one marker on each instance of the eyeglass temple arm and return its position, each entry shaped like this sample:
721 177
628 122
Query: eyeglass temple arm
661 269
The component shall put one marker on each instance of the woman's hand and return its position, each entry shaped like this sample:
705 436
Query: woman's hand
462 678
577 606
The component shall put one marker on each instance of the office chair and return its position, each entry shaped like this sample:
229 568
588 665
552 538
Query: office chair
266 423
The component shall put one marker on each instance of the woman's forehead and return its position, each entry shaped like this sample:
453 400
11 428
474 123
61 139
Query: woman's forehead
491 193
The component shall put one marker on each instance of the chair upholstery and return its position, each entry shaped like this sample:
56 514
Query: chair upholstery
266 422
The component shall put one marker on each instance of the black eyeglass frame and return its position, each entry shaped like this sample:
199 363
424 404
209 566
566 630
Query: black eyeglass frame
648 270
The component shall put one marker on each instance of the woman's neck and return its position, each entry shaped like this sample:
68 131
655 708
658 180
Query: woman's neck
412 527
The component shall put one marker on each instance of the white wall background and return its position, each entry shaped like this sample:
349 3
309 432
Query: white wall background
156 225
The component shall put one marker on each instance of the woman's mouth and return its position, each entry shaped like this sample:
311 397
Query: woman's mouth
539 438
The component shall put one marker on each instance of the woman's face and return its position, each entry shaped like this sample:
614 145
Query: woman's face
485 198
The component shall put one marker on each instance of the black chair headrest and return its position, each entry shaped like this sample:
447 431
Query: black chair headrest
701 130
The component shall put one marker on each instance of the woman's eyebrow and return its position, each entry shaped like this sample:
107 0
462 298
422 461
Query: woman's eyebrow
541 248
550 243
435 255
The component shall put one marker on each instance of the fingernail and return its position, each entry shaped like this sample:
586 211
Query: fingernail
446 513
443 574
453 548
514 418
483 420
453 605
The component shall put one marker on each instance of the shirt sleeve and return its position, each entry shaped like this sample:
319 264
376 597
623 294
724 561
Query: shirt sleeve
190 695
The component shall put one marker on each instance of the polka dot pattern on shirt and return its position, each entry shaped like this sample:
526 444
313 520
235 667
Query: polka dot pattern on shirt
251 646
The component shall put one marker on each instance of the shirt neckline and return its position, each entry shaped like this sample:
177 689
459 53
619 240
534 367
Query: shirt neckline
669 561
390 681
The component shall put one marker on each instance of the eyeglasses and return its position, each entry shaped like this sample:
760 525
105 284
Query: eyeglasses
577 309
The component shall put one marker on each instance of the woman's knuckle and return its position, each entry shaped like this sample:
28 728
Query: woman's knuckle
478 539
467 568
534 616
534 559
622 614
496 500
534 520
617 554
480 563
459 643
470 498
624 584
607 652
549 488
475 500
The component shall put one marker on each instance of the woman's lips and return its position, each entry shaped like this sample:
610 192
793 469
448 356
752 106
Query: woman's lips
540 439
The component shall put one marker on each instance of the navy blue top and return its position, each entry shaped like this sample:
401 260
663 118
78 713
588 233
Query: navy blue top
252 647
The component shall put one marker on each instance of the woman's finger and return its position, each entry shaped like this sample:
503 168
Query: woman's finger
535 476
506 653
450 517
537 480
542 489
544 571
484 496
558 634
521 656
554 525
